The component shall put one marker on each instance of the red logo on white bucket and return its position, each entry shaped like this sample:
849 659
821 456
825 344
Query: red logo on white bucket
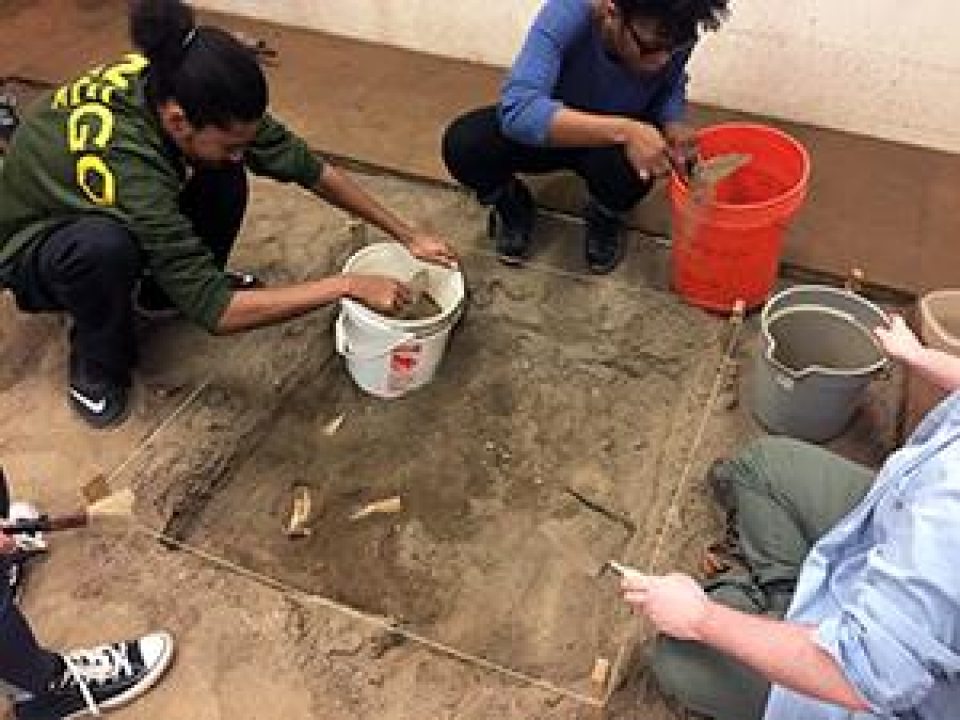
403 363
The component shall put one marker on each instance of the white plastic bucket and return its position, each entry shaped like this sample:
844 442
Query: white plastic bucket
385 356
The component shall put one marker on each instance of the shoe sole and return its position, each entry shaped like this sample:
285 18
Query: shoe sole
149 680
608 267
493 233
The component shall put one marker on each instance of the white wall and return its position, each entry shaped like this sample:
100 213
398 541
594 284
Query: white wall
886 68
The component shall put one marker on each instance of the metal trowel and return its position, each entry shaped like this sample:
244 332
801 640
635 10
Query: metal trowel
710 171
421 305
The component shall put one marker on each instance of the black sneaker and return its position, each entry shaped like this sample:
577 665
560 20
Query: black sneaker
101 678
604 239
9 120
96 397
511 222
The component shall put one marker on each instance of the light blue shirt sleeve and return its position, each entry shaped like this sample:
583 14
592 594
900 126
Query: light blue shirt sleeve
895 634
527 107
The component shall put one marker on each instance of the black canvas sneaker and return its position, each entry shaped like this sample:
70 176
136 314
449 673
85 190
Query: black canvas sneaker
101 678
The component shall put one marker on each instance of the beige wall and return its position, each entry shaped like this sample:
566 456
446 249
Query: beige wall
879 67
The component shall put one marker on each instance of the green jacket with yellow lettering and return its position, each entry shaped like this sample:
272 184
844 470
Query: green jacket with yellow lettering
95 146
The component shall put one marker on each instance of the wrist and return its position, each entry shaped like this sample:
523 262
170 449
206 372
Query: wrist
917 357
676 128
710 615
345 286
620 130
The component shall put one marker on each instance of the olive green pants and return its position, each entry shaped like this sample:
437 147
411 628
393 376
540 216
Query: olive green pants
786 494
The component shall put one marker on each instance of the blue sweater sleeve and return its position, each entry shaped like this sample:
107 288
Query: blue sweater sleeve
671 104
526 103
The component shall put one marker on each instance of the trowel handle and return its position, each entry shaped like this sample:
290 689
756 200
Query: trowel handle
620 569
47 524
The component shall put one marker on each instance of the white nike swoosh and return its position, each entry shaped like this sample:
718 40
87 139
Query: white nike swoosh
95 407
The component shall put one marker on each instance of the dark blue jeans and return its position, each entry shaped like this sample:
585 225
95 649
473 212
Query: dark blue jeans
23 663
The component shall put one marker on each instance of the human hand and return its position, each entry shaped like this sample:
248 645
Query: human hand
675 604
431 248
899 341
646 150
682 147
379 293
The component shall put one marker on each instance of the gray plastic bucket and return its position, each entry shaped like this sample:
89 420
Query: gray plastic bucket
817 356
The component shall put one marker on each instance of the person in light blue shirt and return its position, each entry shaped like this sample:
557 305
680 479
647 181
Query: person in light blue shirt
599 88
864 566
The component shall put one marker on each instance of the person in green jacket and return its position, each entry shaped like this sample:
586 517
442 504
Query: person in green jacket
131 181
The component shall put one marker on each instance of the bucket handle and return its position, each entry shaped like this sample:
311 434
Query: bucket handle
791 373
343 346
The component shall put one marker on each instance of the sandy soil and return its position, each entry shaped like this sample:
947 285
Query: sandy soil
552 379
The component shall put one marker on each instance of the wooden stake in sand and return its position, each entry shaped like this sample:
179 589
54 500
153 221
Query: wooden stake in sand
332 427
299 524
600 674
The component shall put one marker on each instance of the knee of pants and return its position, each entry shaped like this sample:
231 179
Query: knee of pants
765 453
225 187
467 141
96 247
710 684
456 146
676 667
771 445
215 200
611 178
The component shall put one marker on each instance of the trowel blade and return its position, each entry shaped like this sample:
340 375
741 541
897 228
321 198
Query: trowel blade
719 167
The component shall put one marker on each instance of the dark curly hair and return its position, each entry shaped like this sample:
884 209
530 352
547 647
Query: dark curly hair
678 20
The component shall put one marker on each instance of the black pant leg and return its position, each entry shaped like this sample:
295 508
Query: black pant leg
23 663
478 155
215 200
88 269
610 177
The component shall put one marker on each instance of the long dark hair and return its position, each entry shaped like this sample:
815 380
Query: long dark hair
214 77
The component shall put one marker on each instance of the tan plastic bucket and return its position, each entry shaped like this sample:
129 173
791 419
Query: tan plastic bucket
939 329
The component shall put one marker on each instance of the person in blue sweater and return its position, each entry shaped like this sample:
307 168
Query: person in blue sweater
598 89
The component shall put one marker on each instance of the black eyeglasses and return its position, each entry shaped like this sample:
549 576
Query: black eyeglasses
646 46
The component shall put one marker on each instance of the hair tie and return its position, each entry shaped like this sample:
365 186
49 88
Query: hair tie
188 38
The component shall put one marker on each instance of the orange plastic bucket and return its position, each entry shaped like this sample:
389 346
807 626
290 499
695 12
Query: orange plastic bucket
728 248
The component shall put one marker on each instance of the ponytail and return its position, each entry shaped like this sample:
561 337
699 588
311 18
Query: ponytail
214 77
